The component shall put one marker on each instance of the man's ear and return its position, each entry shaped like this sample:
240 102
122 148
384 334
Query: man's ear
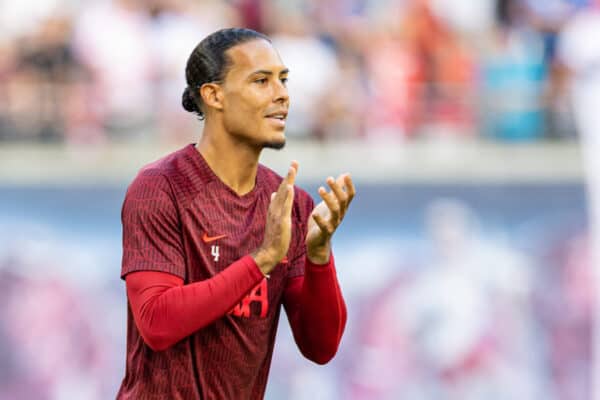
212 95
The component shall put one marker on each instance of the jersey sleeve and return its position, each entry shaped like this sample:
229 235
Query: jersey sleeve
152 239
302 209
166 311
316 311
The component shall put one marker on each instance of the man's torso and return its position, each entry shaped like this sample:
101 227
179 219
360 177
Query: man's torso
229 358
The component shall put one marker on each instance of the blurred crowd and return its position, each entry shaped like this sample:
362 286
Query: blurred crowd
459 307
97 71
478 318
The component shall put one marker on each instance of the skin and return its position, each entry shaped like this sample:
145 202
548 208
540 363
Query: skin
239 124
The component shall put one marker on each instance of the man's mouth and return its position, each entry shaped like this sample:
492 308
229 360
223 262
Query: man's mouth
277 118
280 115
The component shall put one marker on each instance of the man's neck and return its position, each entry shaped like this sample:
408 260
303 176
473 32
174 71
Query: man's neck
234 163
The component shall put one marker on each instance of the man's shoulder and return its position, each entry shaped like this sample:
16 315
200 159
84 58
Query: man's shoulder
168 173
174 163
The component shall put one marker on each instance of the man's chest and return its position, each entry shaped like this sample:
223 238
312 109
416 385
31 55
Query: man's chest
216 232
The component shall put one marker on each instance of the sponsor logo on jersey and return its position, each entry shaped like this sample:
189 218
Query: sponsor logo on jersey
259 295
209 239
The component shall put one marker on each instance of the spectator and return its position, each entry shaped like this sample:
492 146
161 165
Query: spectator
513 77
456 328
121 63
396 69
421 75
39 89
175 27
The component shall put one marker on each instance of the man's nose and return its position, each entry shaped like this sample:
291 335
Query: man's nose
281 93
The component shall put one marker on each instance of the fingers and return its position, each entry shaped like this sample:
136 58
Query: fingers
326 227
345 181
281 196
339 193
289 201
282 200
290 178
350 189
333 205
288 184
338 200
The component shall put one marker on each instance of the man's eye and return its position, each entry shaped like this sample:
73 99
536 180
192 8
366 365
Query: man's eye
261 81
284 80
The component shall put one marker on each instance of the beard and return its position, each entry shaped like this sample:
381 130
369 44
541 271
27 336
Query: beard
276 145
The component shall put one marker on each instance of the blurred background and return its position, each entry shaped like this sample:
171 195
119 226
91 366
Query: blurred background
469 128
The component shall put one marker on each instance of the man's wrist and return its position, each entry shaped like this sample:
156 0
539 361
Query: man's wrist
264 260
320 255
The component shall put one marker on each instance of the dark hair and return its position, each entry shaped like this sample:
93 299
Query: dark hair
209 63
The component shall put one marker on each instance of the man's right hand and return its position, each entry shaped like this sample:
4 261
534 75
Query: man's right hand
278 228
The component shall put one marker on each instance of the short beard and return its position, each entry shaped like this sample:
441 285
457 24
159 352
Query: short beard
274 145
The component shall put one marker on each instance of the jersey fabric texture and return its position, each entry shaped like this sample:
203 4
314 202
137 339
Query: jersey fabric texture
180 218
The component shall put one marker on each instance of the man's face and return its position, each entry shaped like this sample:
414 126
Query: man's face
255 101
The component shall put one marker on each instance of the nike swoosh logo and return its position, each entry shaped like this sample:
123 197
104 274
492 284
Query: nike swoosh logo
208 239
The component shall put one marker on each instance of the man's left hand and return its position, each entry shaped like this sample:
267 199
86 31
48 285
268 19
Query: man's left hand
327 216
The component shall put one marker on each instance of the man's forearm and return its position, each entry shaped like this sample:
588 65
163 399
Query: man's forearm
317 312
166 311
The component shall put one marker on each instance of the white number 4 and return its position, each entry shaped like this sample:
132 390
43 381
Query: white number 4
214 250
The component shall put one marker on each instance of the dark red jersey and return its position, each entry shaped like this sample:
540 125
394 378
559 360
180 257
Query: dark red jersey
180 218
